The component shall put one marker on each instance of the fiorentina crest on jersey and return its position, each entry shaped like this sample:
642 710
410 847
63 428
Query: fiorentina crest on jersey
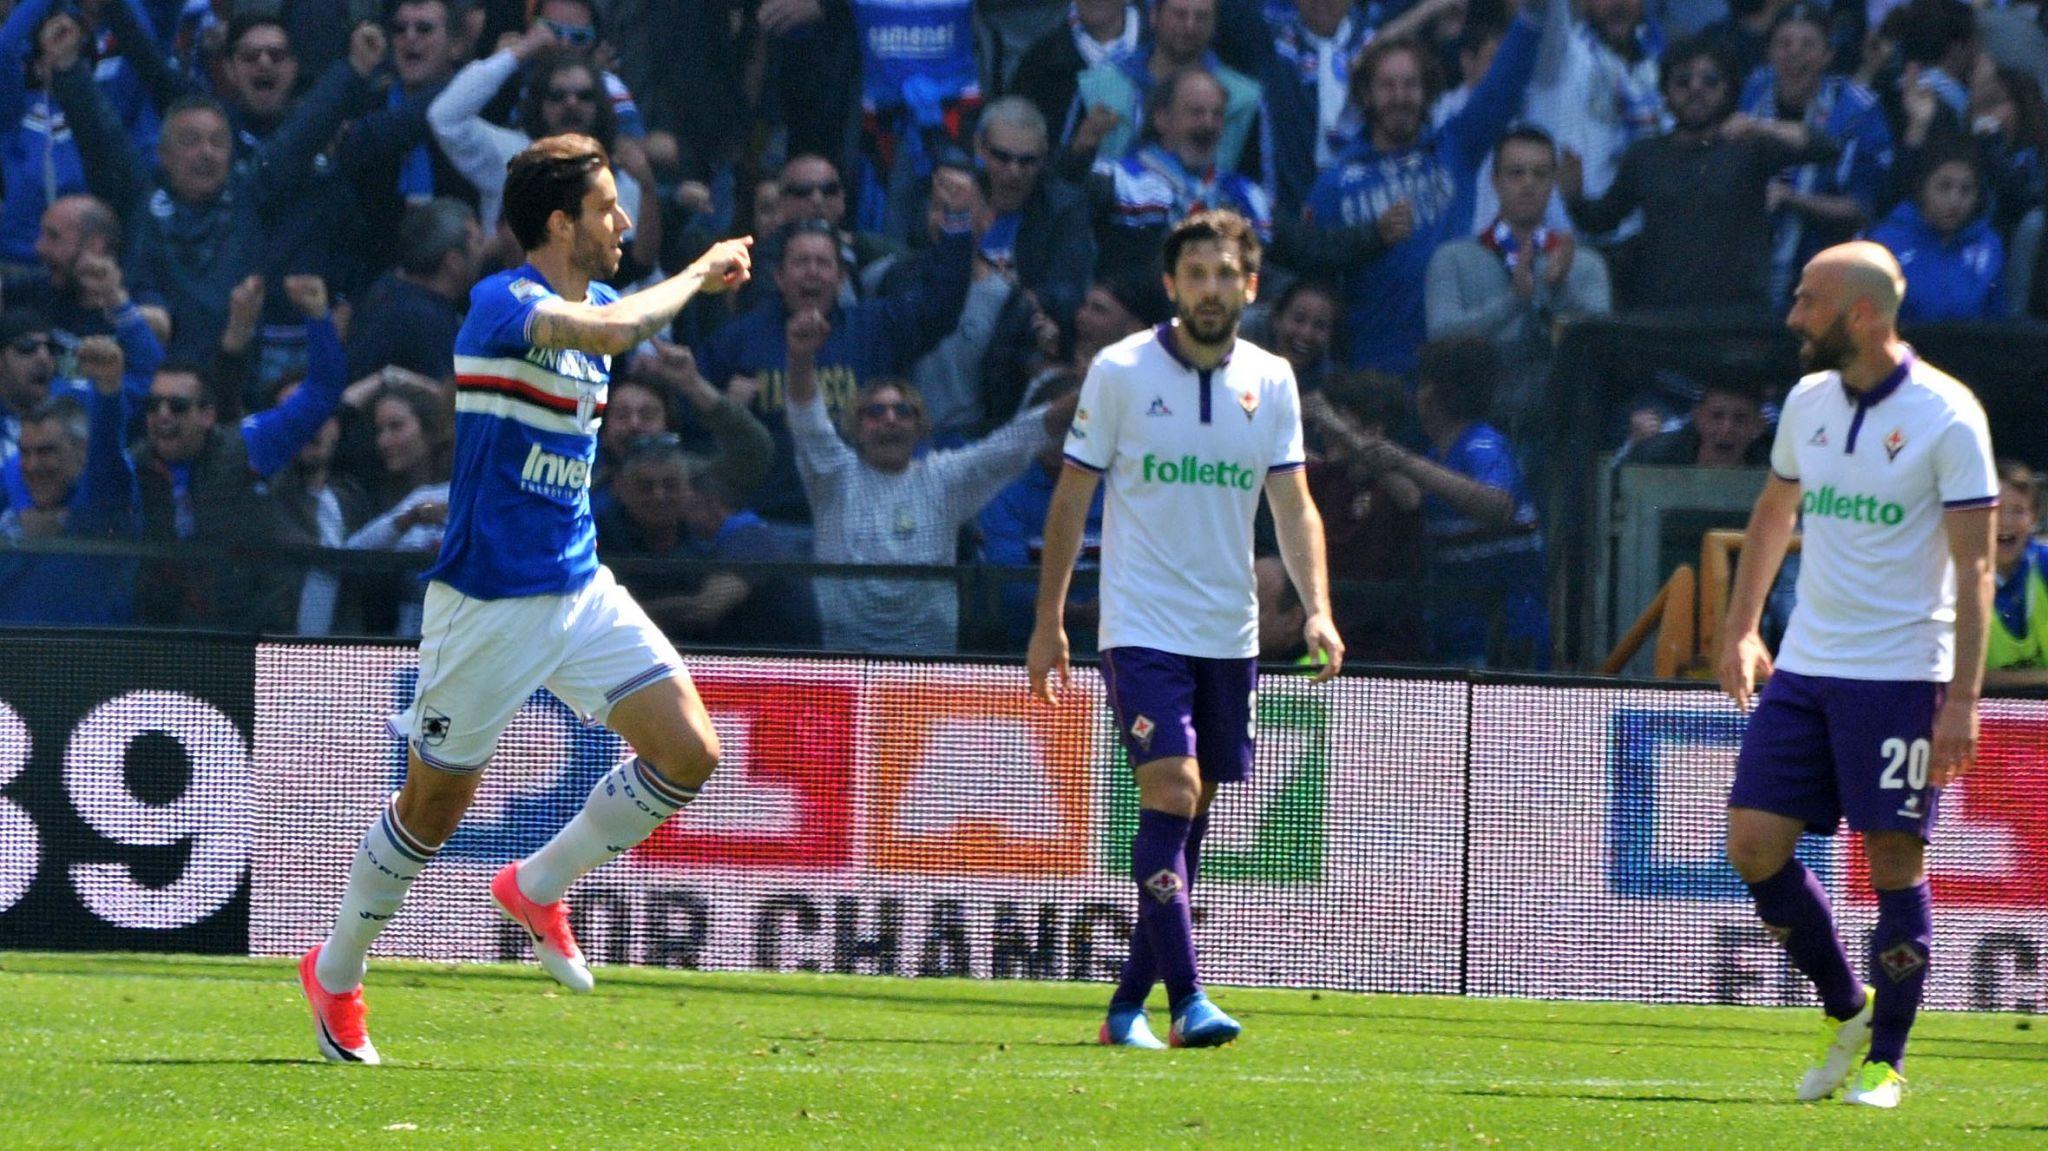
1893 444
1249 401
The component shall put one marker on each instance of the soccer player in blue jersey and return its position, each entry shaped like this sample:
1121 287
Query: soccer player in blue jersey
1872 707
517 599
1186 425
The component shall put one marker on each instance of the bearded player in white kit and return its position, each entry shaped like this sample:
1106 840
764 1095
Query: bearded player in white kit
1872 708
1187 425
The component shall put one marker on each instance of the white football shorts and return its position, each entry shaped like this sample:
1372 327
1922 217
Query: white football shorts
481 658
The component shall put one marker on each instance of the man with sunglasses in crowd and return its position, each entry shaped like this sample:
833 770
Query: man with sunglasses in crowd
198 480
574 25
748 358
78 487
1039 233
28 380
876 501
809 188
563 94
1703 191
402 165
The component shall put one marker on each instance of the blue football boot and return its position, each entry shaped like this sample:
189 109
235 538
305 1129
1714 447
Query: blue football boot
1128 1027
1200 1023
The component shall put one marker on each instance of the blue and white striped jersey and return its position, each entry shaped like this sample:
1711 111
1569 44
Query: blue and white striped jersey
526 420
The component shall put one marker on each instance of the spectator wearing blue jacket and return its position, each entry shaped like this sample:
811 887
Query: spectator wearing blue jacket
1953 259
1414 183
388 154
39 160
207 219
1309 118
78 485
1816 205
29 376
1486 560
196 479
884 337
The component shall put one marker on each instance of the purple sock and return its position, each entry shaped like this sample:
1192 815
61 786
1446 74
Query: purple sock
1197 829
1159 864
1794 908
1898 966
1141 968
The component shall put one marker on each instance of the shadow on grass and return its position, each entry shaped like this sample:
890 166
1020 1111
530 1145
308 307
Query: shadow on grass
284 1061
1482 1019
217 1061
1616 1097
1969 1050
917 1041
947 993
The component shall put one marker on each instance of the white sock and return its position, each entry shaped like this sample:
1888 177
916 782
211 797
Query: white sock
386 863
624 808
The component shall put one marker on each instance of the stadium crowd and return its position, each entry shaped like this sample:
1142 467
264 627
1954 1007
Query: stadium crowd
237 239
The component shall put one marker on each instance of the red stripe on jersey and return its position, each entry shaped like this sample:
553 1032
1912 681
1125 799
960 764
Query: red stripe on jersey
519 390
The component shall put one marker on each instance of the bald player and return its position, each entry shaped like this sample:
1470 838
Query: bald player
1872 708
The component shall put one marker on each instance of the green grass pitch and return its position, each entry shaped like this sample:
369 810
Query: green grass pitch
157 1054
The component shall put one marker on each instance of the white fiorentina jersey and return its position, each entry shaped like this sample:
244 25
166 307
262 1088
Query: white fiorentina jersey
1877 588
1185 454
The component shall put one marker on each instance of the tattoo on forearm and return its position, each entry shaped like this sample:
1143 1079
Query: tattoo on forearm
562 329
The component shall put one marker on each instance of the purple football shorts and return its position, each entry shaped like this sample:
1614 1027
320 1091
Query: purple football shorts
1171 705
1820 748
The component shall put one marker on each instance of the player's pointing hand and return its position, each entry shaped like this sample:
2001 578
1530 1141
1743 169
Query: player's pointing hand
727 264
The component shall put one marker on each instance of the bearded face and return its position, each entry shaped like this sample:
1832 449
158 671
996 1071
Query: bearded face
1828 350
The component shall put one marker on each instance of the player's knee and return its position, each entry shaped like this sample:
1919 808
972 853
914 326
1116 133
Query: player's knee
687 761
1755 857
1897 860
1172 794
431 804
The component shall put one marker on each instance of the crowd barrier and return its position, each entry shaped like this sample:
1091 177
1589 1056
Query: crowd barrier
1450 835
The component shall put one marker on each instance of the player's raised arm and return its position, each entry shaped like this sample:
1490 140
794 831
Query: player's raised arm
1065 521
1299 527
618 327
1771 523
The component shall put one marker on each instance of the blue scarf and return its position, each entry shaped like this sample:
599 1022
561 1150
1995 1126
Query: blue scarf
416 168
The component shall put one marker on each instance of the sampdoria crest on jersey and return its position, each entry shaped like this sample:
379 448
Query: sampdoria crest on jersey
1893 444
1249 401
525 289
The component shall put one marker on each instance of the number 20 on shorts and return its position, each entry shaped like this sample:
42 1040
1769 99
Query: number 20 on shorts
1913 757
